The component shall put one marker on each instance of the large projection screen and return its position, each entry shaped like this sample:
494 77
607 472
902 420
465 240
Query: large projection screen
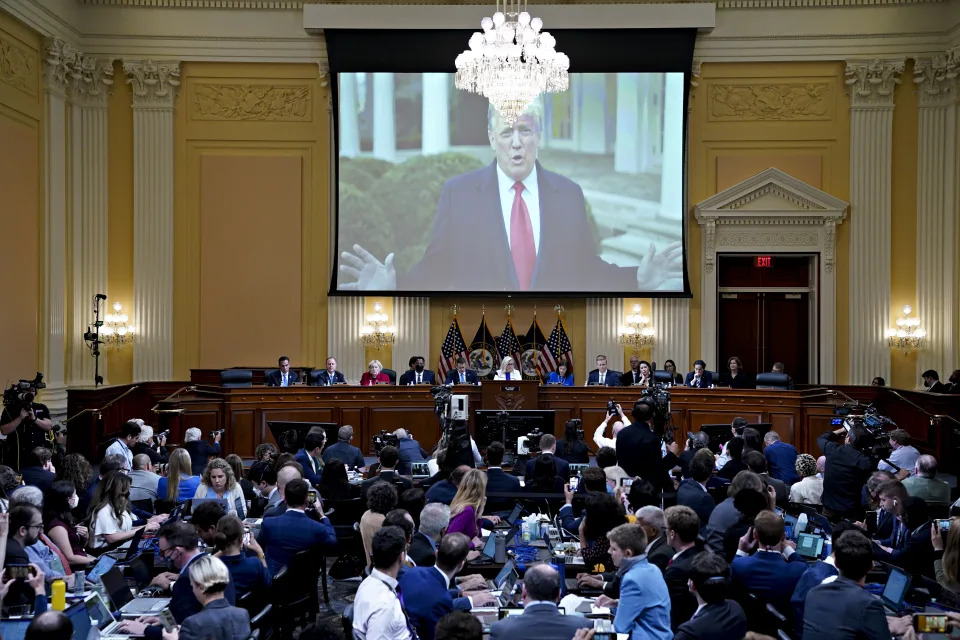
582 195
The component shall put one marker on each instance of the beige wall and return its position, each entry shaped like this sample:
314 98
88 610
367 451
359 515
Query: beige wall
21 220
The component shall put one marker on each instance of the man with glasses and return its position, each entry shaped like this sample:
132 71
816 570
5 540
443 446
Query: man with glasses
177 544
25 524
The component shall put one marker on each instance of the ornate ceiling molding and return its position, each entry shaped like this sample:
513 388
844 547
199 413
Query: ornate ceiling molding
298 4
872 82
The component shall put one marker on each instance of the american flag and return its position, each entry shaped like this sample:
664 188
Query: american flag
453 347
556 350
508 345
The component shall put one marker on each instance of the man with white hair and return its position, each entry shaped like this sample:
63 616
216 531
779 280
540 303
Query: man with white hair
924 484
619 424
434 519
781 458
200 450
410 451
156 451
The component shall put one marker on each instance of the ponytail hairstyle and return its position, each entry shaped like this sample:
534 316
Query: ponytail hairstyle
229 532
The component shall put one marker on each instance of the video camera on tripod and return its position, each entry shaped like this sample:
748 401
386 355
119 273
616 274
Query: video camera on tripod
383 439
873 437
658 397
455 437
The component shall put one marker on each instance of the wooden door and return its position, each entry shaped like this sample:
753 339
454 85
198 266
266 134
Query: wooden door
763 328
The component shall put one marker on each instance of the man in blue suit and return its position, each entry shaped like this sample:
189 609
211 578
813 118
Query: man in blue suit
699 377
284 535
535 227
816 574
417 374
427 589
692 492
343 451
330 375
773 571
499 481
548 447
461 375
540 619
410 451
309 457
603 376
283 376
717 618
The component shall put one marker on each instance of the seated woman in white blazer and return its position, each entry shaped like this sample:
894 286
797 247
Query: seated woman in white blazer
508 370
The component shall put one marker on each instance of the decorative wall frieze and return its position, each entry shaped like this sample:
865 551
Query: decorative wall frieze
298 4
18 65
154 84
245 102
936 79
768 238
769 101
872 82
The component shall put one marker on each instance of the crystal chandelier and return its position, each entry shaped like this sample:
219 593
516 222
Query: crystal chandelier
512 61
637 332
115 331
376 333
908 336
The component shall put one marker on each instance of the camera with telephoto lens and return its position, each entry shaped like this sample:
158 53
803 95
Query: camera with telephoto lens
384 438
658 397
20 394
158 436
873 438
578 423
533 440
217 432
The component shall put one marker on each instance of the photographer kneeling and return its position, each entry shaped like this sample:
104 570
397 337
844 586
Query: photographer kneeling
25 423
847 469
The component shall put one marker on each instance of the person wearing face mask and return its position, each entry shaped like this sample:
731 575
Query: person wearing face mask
417 374
931 380
59 501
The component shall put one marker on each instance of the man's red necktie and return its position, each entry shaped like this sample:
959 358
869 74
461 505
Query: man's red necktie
521 239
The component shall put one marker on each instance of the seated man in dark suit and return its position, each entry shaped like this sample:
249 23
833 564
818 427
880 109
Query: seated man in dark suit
816 574
410 452
602 376
433 522
329 376
388 463
767 573
345 452
309 457
418 374
548 447
781 458
461 375
683 528
699 377
283 536
499 481
540 619
843 609
39 471
717 618
692 492
283 376
444 490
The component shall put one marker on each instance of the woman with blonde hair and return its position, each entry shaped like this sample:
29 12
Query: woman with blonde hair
219 482
946 558
374 375
180 484
508 370
466 508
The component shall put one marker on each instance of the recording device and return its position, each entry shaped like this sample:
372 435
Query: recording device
167 620
158 436
626 483
603 630
930 623
311 497
384 438
20 394
455 437
578 423
943 525
217 432
612 407
871 521
658 397
18 571
247 535
533 440
873 440
574 483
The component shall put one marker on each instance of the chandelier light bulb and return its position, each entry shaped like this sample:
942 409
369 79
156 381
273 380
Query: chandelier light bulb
117 306
907 309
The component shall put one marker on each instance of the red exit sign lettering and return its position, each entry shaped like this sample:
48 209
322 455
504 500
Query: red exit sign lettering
763 261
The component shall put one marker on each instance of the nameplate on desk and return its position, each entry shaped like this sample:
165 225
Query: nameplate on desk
509 388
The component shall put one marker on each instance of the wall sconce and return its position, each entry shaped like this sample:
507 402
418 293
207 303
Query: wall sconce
636 333
115 331
377 333
908 336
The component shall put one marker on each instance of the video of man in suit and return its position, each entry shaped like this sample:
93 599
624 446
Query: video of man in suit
438 193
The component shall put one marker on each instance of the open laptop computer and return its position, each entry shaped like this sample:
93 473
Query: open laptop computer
104 564
497 583
98 613
124 602
127 552
511 519
895 592
14 628
420 469
809 546
78 616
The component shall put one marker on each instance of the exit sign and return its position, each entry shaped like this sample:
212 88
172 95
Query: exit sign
763 261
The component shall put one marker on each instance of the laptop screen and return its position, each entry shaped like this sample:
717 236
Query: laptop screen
809 545
104 564
14 629
490 548
898 583
504 573
515 514
98 610
116 587
78 616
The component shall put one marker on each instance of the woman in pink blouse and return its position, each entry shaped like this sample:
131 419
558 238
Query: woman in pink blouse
374 375
466 509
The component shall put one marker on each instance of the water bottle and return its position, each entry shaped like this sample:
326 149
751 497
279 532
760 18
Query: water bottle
58 597
78 583
500 549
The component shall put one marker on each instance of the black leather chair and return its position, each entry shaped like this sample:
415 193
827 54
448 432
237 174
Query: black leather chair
391 374
662 376
770 380
236 378
267 373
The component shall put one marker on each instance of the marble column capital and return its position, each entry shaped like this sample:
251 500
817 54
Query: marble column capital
60 64
871 82
155 84
936 79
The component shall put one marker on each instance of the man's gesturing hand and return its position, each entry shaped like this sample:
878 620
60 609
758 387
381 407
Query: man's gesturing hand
370 273
655 269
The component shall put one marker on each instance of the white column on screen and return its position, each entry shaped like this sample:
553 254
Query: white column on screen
626 154
344 318
349 127
384 112
671 169
412 317
590 112
604 316
436 113
671 317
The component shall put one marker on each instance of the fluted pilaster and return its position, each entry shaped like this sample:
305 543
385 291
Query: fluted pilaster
671 319
938 207
871 131
345 316
604 316
412 318
154 89
90 81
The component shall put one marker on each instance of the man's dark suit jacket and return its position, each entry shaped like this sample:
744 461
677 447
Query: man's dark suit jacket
323 378
611 378
563 467
200 452
705 380
37 477
410 451
309 474
915 554
427 599
217 621
638 453
408 377
846 471
453 377
843 610
184 604
283 536
386 476
719 621
345 453
500 482
442 491
421 551
469 207
274 378
768 576
938 387
692 495
811 578
541 621
682 602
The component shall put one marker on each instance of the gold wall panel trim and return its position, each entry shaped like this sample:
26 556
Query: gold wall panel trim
250 102
18 65
770 101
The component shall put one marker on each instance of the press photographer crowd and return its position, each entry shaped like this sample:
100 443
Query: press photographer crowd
625 528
